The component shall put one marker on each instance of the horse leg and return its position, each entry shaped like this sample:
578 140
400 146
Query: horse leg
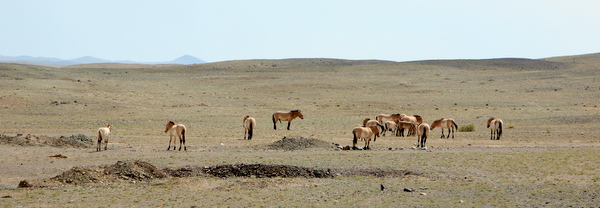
442 133
170 138
288 128
245 130
99 144
448 136
106 144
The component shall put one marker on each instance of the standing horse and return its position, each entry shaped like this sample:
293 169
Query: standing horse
422 133
445 123
495 125
390 126
415 119
286 116
369 123
365 133
103 134
401 125
176 131
382 118
249 124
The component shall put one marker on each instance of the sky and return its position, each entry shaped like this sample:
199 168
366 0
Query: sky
395 30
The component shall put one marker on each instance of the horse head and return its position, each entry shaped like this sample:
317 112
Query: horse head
169 125
298 113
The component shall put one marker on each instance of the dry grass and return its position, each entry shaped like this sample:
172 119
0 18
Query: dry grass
548 156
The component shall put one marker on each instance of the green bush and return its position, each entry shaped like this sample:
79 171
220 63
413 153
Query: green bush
467 128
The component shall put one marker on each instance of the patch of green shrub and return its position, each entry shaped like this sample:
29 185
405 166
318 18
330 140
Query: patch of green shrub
466 128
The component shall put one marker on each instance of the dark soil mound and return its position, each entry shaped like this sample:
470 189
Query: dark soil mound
187 171
78 141
299 144
267 171
135 170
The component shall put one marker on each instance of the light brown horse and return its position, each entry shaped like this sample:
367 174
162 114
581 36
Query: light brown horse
286 116
103 134
445 123
389 126
369 123
249 124
495 125
176 130
415 119
401 125
382 118
365 133
422 132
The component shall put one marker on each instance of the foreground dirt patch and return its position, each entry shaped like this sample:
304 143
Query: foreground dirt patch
77 141
136 170
300 144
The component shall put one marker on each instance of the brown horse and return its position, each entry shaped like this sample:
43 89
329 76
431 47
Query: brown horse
445 123
495 125
286 116
176 131
249 124
103 134
415 119
390 126
369 123
401 125
365 133
382 118
422 133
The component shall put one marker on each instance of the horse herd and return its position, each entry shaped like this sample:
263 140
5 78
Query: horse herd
394 123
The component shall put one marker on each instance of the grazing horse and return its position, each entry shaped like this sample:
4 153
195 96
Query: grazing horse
401 125
286 116
176 130
495 125
103 134
445 123
422 133
382 118
369 123
365 133
249 124
415 119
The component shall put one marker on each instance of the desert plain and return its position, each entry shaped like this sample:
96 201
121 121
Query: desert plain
548 155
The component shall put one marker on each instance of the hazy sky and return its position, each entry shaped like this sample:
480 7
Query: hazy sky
147 30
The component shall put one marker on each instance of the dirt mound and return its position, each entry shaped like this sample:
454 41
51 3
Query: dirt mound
267 171
80 175
299 144
134 170
78 141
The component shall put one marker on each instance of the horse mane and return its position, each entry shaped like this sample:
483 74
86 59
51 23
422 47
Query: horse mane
171 122
295 111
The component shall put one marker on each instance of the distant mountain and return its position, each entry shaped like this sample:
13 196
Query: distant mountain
186 59
56 62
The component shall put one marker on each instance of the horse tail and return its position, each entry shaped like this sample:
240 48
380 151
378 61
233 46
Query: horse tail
355 139
183 135
250 130
424 132
454 123
499 129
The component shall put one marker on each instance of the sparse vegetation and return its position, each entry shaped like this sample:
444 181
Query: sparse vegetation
527 166
466 128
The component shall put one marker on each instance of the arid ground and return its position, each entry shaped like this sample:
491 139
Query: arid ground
547 156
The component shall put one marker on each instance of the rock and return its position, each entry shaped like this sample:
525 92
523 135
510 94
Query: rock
24 184
408 190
